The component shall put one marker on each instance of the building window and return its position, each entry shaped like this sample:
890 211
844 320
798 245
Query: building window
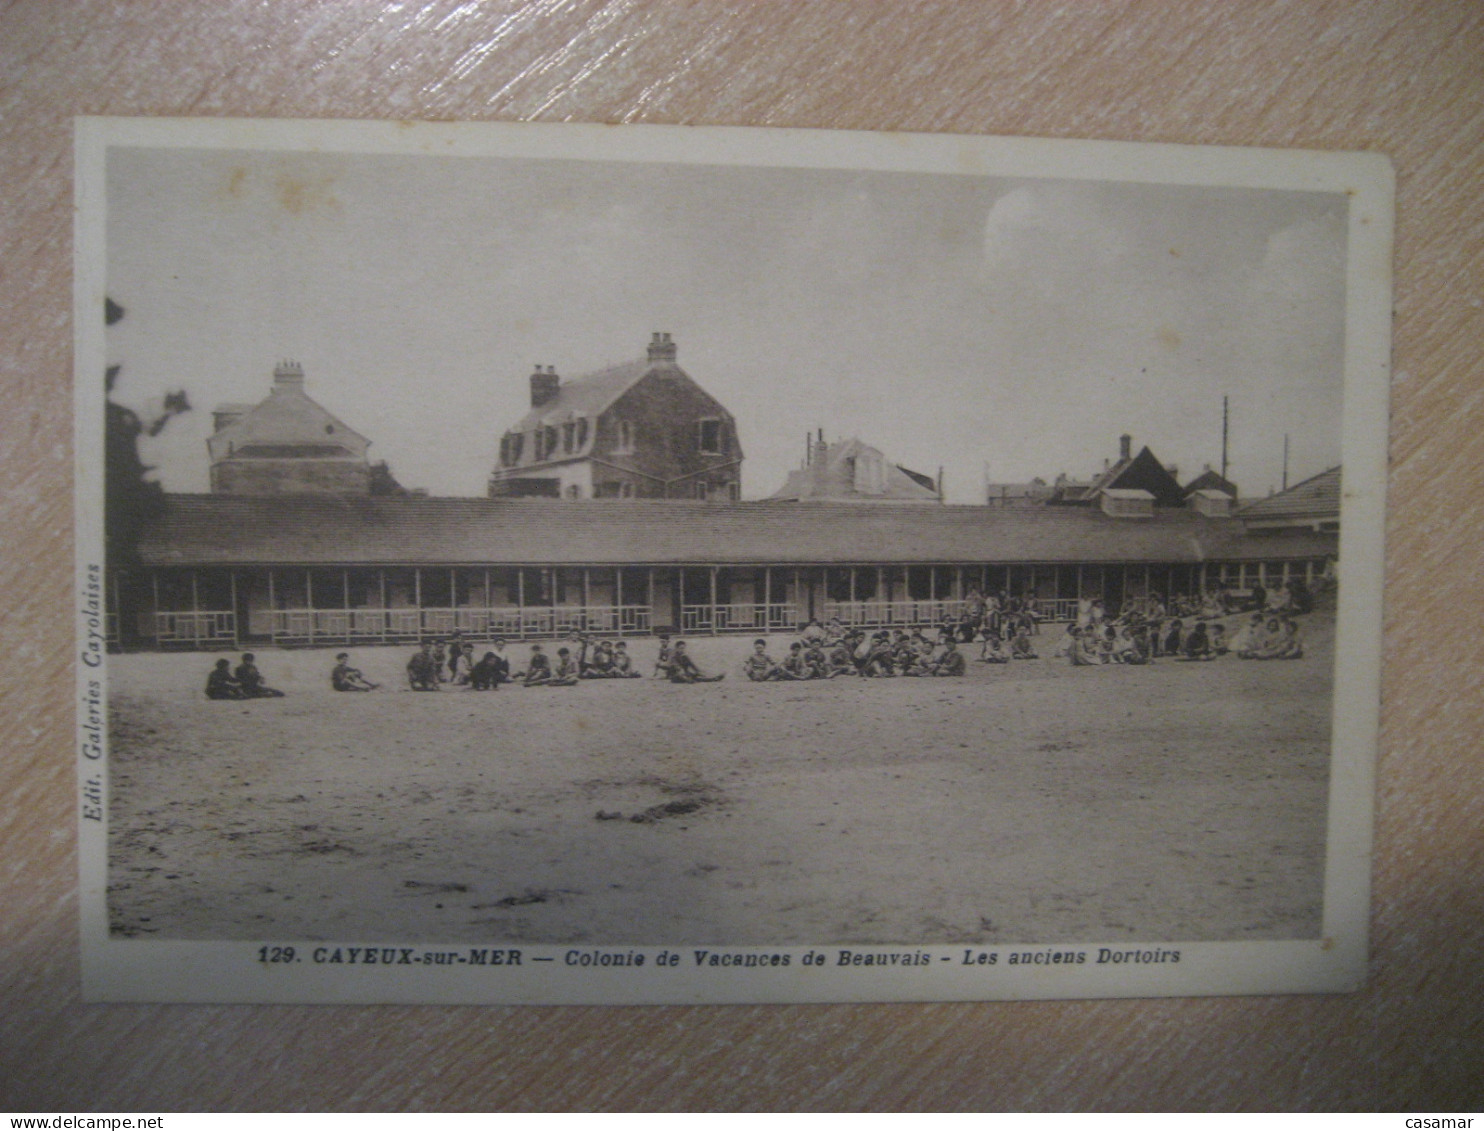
734 492
710 436
569 436
549 441
625 444
625 490
582 431
574 492
701 491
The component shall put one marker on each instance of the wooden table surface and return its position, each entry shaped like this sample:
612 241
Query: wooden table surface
1406 79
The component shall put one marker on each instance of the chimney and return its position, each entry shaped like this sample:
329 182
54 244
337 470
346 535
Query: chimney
544 386
661 349
1125 443
288 375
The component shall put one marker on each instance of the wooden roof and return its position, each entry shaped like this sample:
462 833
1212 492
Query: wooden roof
376 530
1315 499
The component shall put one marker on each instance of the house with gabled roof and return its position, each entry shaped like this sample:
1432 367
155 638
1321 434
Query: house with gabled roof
1033 494
852 471
643 429
1212 480
1131 484
286 444
1313 505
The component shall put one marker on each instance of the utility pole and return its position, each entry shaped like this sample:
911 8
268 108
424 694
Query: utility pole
1223 436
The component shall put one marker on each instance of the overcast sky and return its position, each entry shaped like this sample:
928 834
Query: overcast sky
956 321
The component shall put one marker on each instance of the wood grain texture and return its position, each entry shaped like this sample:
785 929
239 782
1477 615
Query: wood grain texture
1406 79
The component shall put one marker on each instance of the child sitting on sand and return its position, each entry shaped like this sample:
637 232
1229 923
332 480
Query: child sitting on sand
1283 642
1141 651
346 678
1255 638
816 661
951 662
993 651
1174 638
1020 647
566 672
1218 639
662 663
623 666
683 669
462 665
421 675
538 671
793 666
484 676
1197 644
759 667
221 685
1085 652
600 664
251 680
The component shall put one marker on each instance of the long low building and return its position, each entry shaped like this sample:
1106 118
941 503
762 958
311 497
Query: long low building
219 570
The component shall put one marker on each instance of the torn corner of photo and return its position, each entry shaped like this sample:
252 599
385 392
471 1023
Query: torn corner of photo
561 564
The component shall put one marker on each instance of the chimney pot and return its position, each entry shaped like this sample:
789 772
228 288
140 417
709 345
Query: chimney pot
544 386
661 348
288 374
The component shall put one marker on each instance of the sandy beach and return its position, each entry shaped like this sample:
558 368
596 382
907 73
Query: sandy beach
1030 802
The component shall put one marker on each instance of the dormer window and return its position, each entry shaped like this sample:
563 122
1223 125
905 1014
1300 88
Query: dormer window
709 435
569 436
510 445
625 443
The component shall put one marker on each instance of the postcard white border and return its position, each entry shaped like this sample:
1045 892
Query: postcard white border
136 970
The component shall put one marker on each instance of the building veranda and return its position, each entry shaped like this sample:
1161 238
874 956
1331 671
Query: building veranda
219 571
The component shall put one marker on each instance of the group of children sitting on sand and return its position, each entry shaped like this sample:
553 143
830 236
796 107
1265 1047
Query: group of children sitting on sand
1135 639
1143 633
436 664
829 652
245 682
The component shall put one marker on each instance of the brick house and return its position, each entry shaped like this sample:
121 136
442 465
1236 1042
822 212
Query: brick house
640 430
287 444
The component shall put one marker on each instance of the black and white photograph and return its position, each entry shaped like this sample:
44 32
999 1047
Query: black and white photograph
641 564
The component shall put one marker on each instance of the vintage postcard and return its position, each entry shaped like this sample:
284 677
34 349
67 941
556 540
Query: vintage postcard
554 563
